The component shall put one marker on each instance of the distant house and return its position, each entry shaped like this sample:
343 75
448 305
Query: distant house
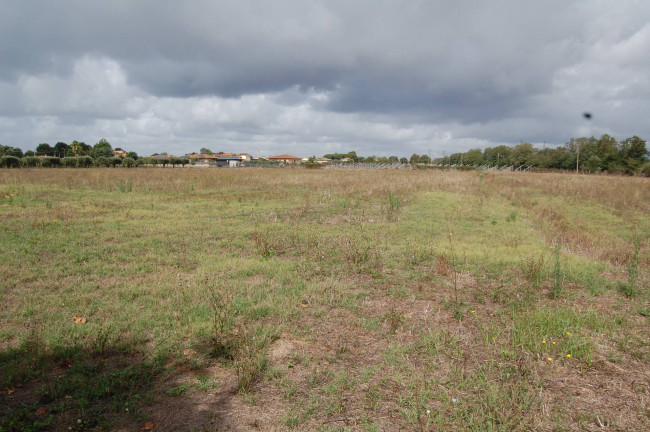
119 153
203 159
161 156
347 159
286 158
232 161
323 160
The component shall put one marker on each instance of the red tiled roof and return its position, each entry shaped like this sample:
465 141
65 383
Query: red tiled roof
285 156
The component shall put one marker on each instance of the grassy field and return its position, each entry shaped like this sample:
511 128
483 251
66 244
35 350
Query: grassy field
276 299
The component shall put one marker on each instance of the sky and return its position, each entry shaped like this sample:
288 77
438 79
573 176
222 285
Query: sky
304 77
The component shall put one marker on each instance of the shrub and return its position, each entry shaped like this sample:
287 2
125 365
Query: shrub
85 161
70 162
645 169
9 162
128 162
51 161
102 161
31 161
114 161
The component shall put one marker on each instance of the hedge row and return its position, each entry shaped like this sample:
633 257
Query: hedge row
85 162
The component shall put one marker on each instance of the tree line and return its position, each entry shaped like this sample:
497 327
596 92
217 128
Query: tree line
589 154
79 155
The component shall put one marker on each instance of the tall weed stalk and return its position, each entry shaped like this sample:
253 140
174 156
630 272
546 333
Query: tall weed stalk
631 289
454 266
558 272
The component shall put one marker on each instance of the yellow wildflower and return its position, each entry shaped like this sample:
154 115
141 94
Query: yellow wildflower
543 341
568 334
568 356
550 359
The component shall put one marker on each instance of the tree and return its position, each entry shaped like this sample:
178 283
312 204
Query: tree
133 155
425 159
607 150
61 149
44 149
205 151
128 162
473 157
415 158
11 151
634 148
592 164
80 148
353 155
403 160
522 154
497 156
102 148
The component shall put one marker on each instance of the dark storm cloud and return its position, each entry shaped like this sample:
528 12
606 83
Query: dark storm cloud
406 56
440 71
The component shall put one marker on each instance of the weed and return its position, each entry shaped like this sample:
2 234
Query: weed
372 398
126 186
263 243
394 203
179 389
249 358
630 289
558 272
394 318
415 409
291 420
221 303
458 314
533 269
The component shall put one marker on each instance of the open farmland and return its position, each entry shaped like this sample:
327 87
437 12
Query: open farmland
276 299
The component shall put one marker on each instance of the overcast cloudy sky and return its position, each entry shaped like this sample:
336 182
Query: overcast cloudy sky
312 77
